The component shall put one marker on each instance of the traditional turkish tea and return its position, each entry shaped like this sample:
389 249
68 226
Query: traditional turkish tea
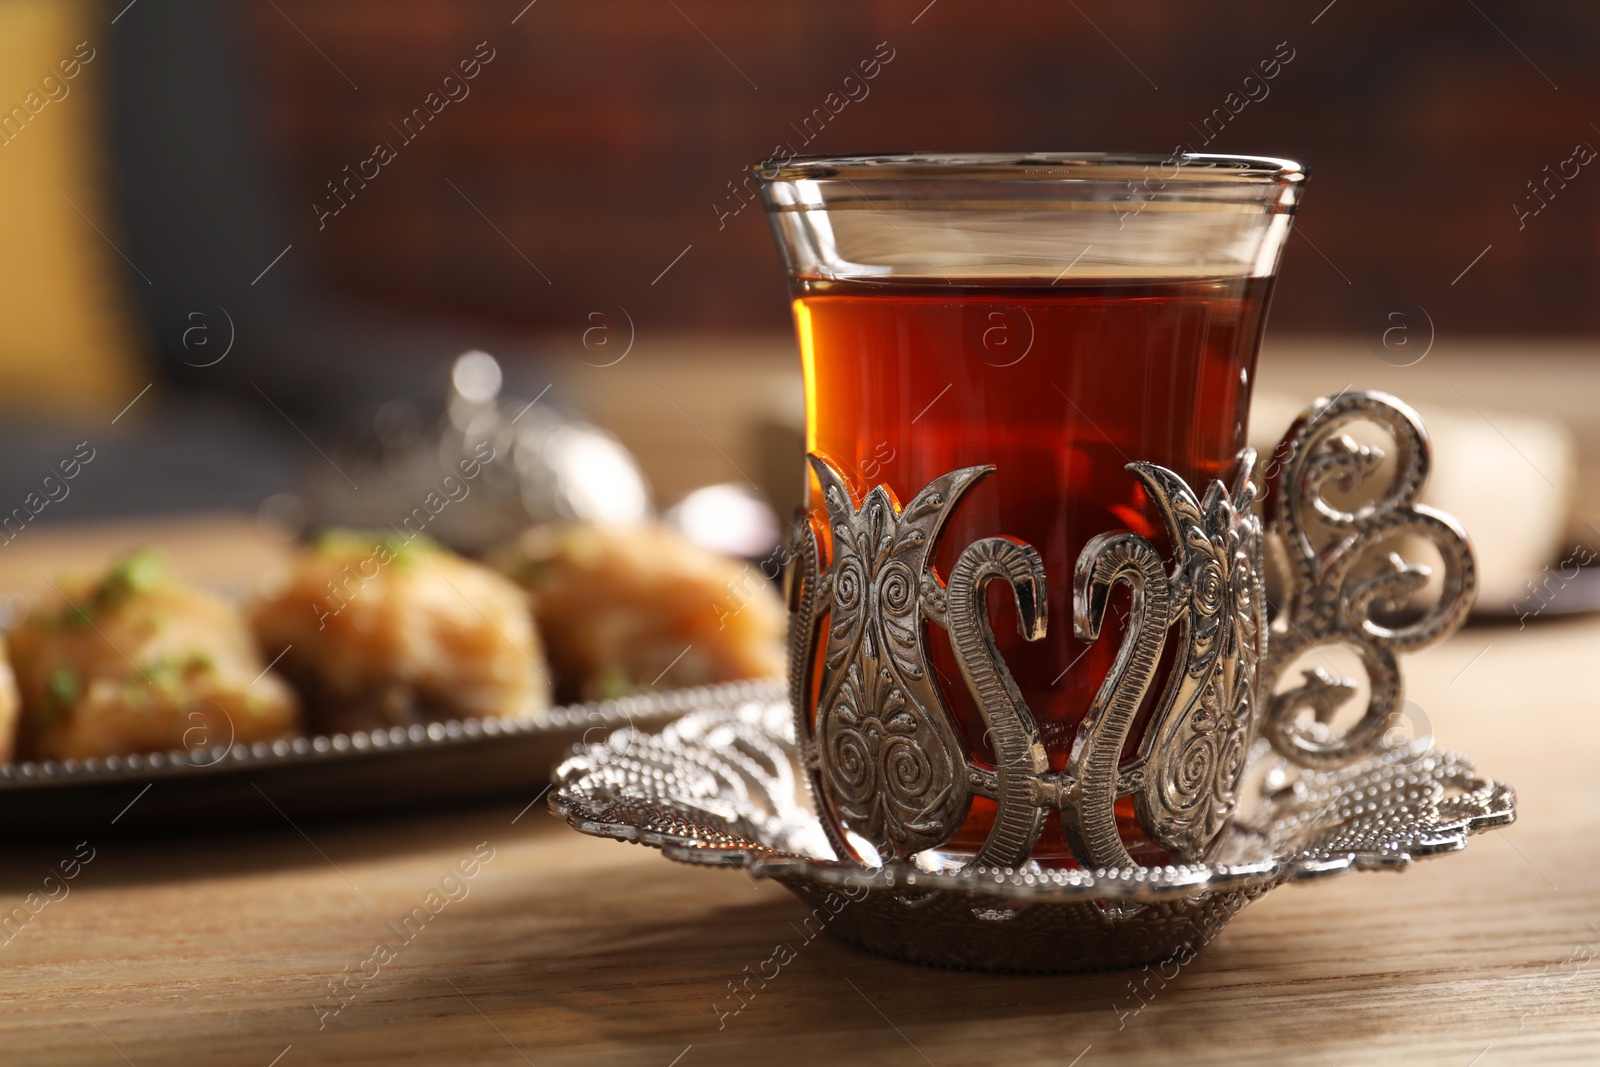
1058 386
1026 616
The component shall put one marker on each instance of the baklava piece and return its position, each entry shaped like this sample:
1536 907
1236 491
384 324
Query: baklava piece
134 661
633 609
378 631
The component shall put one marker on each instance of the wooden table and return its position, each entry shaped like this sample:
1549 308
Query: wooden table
567 950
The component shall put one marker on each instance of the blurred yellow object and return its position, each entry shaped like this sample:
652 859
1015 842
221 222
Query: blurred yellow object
66 341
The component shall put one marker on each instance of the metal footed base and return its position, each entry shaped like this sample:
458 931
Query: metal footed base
724 788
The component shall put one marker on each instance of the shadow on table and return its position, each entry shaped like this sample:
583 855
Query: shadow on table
176 855
646 984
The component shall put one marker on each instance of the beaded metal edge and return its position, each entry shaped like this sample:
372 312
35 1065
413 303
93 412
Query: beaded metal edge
723 787
604 715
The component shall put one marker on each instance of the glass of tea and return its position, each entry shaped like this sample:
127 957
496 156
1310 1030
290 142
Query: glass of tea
1054 317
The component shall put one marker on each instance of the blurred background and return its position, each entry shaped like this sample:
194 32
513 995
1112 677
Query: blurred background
244 243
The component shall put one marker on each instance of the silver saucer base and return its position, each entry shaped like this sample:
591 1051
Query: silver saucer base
723 787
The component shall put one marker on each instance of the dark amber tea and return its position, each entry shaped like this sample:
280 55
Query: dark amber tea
1055 318
1058 387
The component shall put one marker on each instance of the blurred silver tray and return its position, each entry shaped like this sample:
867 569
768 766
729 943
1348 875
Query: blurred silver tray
310 778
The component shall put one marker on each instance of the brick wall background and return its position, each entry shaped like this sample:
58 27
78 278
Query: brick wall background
594 147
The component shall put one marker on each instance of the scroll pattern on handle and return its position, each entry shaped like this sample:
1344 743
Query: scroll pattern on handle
1344 568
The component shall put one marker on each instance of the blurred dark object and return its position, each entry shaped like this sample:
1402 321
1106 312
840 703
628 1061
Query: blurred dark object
256 359
485 469
185 452
232 296
602 141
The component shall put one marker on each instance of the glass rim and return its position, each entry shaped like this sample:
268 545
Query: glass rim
1041 167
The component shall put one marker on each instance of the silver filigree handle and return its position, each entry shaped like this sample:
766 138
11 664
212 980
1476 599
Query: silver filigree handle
1338 574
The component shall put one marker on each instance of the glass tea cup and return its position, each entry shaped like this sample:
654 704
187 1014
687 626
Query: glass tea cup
989 342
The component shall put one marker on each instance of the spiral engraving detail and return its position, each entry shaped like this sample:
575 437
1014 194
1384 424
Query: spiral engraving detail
1340 575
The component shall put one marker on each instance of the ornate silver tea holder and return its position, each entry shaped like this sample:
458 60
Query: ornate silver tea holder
1246 783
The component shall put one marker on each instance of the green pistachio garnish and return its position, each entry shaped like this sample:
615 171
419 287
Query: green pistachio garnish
137 572
63 686
612 683
168 671
401 550
406 552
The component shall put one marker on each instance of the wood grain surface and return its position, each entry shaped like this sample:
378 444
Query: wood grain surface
560 949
